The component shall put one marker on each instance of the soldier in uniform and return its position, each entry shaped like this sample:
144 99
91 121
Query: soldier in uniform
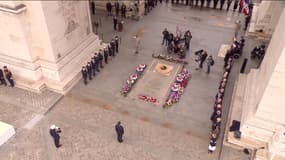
222 4
84 74
196 4
229 4
202 3
187 2
2 79
106 55
97 61
93 64
109 50
123 10
247 20
215 4
100 55
208 3
117 43
113 47
191 3
89 70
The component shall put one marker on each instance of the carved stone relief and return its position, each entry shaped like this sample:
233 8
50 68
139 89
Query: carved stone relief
68 11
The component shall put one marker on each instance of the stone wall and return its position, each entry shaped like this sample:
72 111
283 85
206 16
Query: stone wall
268 15
263 113
46 44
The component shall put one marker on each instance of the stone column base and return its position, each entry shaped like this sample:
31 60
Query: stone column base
6 132
58 76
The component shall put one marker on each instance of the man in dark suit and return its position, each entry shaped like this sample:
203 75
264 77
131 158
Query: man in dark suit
115 22
120 132
109 8
117 8
93 7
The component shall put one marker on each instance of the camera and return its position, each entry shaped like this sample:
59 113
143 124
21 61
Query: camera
198 52
58 130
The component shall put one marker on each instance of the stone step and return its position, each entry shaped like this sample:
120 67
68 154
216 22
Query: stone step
238 97
249 97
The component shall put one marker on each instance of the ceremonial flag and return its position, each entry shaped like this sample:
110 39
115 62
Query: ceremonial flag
244 4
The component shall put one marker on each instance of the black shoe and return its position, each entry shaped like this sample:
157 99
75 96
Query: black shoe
58 146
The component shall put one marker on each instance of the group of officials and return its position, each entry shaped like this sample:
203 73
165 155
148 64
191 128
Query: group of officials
207 3
92 67
117 8
174 44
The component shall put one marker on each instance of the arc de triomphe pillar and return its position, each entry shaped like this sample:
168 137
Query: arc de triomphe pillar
45 43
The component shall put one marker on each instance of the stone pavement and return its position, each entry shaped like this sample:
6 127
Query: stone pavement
87 114
38 103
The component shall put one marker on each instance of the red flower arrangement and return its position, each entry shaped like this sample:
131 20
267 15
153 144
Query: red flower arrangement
177 89
130 82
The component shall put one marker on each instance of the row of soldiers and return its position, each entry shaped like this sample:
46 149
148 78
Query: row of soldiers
208 3
96 63
216 116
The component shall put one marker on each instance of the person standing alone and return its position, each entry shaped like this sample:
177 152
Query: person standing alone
165 34
120 132
115 22
54 132
210 62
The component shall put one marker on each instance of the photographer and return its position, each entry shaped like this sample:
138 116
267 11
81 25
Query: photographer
54 132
